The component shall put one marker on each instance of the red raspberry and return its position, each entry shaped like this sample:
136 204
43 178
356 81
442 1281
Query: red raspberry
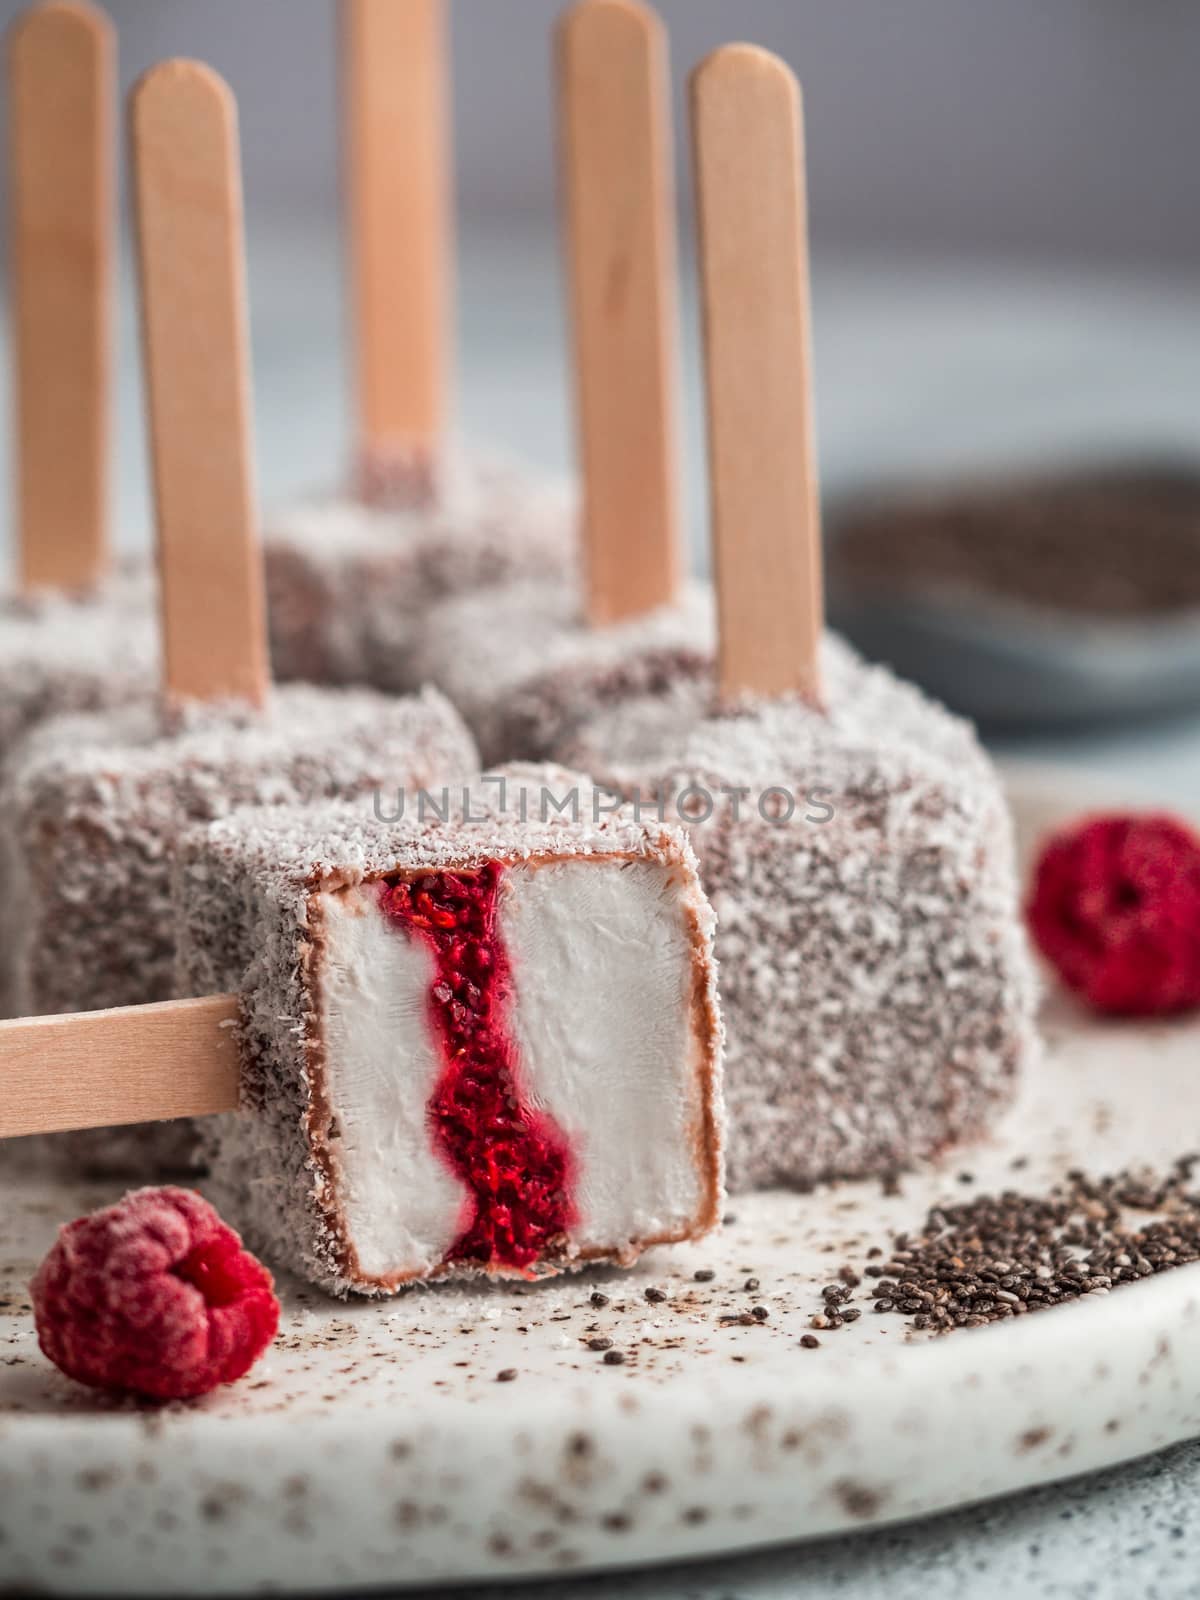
1116 910
155 1297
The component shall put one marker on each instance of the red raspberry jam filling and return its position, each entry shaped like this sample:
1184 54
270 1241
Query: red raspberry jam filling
513 1159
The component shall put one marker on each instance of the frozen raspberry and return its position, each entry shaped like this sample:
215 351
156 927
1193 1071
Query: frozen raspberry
155 1297
1116 910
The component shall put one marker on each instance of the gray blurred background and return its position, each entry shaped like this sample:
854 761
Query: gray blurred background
1060 130
1004 220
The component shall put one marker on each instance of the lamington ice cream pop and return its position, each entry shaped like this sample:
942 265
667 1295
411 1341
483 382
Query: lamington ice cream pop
511 1057
349 576
94 804
73 637
852 835
487 1044
525 662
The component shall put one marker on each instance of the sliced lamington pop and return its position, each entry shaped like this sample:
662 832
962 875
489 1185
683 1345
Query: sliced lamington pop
349 577
74 638
484 1045
487 1045
94 805
852 835
527 661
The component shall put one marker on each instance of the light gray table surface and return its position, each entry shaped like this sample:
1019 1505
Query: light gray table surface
1129 1532
920 367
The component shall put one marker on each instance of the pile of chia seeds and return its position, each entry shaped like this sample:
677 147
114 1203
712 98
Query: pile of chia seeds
998 1256
1114 541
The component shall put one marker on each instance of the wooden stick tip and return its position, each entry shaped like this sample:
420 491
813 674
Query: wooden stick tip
61 20
611 33
744 63
587 14
171 82
608 36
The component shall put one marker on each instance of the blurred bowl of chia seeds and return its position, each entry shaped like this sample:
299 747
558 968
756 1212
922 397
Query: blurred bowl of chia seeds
1034 601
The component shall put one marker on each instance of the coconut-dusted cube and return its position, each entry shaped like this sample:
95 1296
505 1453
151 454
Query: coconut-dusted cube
350 579
93 809
62 653
71 653
95 804
877 989
488 1045
525 669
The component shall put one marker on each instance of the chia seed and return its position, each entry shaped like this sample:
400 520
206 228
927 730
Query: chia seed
1004 1255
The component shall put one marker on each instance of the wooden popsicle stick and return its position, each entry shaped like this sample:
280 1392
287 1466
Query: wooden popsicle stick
101 1069
752 232
619 239
62 81
187 187
396 152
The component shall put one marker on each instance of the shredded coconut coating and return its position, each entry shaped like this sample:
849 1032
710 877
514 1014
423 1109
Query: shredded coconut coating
243 888
70 653
63 653
349 581
876 983
525 670
93 808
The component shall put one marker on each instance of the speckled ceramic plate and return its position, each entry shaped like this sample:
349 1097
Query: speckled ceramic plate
376 1446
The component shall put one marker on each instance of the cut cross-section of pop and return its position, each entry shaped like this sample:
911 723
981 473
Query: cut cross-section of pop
513 1160
489 1046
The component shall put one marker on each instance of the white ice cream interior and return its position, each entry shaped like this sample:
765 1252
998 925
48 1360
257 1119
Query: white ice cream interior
401 1204
602 1014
